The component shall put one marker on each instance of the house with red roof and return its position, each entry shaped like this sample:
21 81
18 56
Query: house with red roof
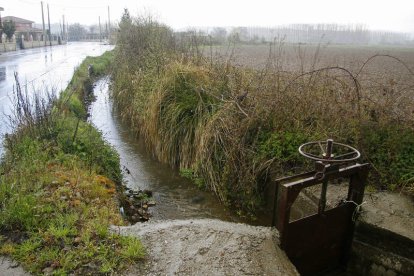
24 27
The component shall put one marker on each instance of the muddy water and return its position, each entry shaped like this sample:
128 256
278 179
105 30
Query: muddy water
176 197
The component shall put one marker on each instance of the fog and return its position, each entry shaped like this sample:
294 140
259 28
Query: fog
384 16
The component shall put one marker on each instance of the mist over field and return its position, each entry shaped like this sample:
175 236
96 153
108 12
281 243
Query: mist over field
298 21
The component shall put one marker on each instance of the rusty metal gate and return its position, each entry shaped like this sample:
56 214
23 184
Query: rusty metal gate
321 241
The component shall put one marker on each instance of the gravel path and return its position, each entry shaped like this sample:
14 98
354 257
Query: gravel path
208 247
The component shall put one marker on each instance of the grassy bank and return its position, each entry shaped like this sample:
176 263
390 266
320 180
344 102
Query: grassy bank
232 129
58 182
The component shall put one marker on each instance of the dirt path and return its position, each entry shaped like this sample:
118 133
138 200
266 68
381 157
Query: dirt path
208 247
199 247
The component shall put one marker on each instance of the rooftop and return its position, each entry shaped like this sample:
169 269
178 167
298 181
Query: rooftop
17 19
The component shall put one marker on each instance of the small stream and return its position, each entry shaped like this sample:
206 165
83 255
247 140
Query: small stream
176 197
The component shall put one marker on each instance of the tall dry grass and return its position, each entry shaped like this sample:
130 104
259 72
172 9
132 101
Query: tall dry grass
235 128
32 112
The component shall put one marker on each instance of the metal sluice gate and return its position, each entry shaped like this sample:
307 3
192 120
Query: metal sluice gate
322 241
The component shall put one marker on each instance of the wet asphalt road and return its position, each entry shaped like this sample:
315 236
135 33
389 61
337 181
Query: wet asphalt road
39 69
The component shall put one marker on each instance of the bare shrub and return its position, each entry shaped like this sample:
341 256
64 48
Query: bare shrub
32 112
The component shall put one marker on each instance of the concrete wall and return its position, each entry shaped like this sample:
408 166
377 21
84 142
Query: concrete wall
12 46
35 44
7 47
380 252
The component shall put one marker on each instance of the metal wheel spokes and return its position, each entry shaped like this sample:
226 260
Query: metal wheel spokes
329 152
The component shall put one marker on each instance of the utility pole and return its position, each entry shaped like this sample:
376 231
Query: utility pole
109 26
43 23
50 31
100 30
64 28
1 25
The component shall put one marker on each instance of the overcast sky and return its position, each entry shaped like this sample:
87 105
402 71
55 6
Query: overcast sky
395 15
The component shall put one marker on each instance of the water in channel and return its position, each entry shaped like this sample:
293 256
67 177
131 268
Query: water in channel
176 197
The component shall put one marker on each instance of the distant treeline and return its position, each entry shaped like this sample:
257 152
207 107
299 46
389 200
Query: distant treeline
78 32
306 33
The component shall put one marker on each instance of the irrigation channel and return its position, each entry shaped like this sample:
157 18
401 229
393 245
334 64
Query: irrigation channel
176 197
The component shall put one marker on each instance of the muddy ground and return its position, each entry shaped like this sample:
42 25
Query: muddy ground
208 247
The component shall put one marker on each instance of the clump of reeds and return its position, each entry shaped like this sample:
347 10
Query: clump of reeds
179 108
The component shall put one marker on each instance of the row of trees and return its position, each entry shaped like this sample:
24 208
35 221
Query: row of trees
308 33
296 33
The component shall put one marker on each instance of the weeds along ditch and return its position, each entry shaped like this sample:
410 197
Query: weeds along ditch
232 129
58 185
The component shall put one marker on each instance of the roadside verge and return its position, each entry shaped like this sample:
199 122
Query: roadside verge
58 185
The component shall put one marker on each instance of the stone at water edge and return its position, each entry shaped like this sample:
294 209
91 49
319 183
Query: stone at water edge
151 203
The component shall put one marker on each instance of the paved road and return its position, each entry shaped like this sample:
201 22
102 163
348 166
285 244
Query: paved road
40 69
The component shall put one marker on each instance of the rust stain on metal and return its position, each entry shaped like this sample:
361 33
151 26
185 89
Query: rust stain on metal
321 241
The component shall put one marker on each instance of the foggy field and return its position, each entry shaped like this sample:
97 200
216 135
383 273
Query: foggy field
295 57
